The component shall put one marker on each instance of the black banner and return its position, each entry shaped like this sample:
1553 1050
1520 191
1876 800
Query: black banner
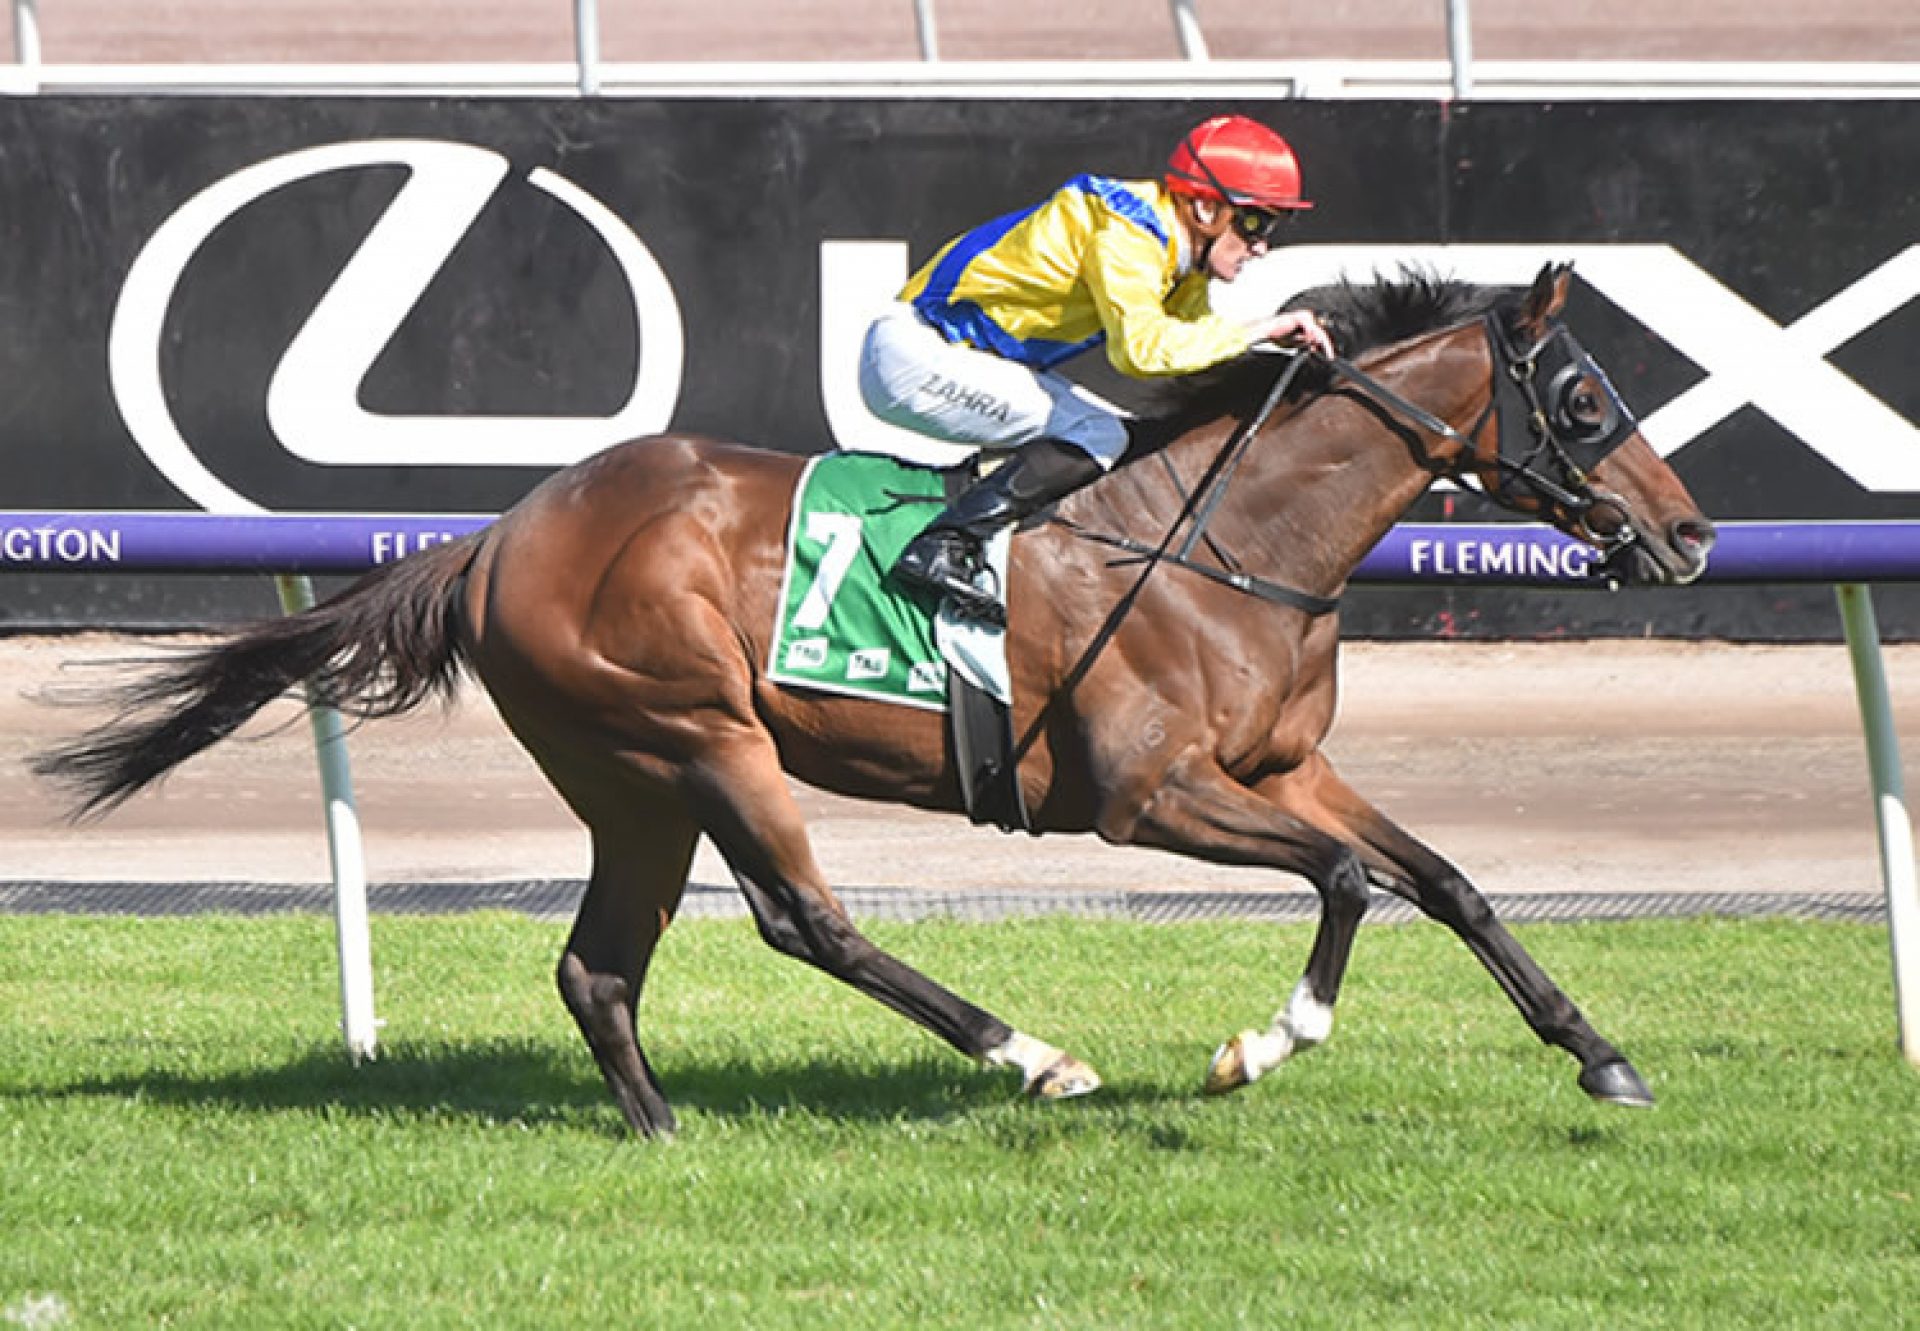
425 305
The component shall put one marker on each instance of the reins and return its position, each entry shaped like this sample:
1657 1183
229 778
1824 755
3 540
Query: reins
1212 485
1376 391
1201 506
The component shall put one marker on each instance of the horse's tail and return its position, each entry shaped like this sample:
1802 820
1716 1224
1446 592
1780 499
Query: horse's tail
381 647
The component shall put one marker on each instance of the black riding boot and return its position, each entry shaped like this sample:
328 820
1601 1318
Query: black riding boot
949 556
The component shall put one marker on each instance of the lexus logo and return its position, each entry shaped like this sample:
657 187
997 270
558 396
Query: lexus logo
313 398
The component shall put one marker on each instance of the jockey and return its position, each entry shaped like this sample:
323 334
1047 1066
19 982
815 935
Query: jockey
967 353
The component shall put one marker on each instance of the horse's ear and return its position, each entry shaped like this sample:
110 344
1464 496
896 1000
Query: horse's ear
1548 295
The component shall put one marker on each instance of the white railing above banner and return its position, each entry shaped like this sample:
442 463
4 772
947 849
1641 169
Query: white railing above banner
1458 77
1423 80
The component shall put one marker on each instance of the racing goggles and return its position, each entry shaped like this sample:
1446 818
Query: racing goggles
1263 225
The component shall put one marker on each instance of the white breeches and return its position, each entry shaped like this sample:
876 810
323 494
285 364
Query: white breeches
913 377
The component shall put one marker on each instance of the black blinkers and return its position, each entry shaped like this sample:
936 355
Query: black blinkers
1558 407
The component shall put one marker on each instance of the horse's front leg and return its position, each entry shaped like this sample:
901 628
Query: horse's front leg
1405 866
1202 812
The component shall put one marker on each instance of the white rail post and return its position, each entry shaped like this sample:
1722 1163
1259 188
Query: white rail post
1186 25
1460 48
26 34
928 28
1889 808
348 855
586 45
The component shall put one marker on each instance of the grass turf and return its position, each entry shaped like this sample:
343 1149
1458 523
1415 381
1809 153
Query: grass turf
182 1144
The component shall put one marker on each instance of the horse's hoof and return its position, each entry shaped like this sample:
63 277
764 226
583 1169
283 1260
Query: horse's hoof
1063 1079
1616 1083
1228 1071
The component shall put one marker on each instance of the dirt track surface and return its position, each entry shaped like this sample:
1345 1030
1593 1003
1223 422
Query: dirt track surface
1643 767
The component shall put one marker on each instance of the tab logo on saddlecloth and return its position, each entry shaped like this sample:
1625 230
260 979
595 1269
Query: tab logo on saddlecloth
869 664
806 654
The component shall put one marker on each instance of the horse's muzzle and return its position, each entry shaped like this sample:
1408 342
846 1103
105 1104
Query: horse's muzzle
1671 557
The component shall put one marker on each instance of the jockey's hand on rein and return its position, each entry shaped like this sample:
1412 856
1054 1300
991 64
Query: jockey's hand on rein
1300 328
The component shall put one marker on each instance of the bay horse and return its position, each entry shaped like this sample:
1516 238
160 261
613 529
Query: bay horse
620 614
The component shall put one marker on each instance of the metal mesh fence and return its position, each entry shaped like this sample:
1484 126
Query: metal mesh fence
556 899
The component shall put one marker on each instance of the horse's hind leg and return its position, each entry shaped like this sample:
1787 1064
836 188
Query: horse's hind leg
640 870
744 805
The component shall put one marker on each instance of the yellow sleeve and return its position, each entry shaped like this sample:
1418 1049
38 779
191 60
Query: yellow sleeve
1125 270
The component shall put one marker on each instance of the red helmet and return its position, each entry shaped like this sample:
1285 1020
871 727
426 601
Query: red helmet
1236 160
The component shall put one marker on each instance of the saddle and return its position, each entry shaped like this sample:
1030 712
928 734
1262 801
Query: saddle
846 627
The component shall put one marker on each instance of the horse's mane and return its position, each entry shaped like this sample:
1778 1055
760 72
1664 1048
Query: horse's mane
1360 316
1378 314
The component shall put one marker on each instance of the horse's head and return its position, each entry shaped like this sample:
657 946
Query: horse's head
1561 446
1527 417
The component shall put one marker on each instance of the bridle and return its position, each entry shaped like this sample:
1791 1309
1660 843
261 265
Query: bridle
1559 417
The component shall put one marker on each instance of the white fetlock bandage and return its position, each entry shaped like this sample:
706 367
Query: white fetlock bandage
1306 1018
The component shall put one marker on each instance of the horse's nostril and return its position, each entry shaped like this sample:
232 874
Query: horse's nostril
1693 536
